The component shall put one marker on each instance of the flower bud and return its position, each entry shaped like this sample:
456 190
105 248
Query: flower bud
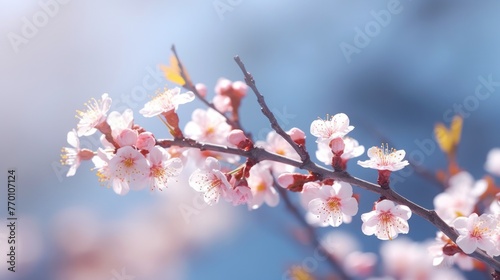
298 136
240 88
238 138
337 145
145 141
295 181
127 137
201 89
223 85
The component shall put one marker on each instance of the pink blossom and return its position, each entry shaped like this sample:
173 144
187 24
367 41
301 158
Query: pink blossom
333 202
352 149
460 197
477 232
260 182
73 156
384 159
118 122
329 129
210 181
340 244
162 168
165 101
405 259
129 170
387 220
360 264
276 144
208 126
93 116
240 195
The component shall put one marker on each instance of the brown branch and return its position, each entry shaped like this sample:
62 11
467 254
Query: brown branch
304 156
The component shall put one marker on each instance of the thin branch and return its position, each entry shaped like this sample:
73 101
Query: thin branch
312 235
304 156
427 174
191 87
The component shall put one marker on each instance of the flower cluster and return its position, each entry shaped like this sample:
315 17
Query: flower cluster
457 206
129 158
329 202
334 147
223 162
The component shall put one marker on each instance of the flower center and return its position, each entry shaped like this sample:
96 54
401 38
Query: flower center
333 203
210 130
92 113
261 187
387 220
383 154
478 232
386 217
157 171
128 162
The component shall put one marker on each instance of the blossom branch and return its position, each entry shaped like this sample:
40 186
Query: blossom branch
258 154
139 160
304 156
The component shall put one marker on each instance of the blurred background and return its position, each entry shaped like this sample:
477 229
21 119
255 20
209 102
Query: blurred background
395 67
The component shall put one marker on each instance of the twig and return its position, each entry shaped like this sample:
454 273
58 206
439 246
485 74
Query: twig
304 156
191 87
312 235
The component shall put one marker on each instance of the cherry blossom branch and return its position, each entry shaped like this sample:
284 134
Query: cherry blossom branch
304 156
307 164
258 154
312 235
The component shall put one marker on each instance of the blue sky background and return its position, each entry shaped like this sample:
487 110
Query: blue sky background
427 58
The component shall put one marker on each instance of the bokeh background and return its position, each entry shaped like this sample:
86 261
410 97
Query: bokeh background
426 60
